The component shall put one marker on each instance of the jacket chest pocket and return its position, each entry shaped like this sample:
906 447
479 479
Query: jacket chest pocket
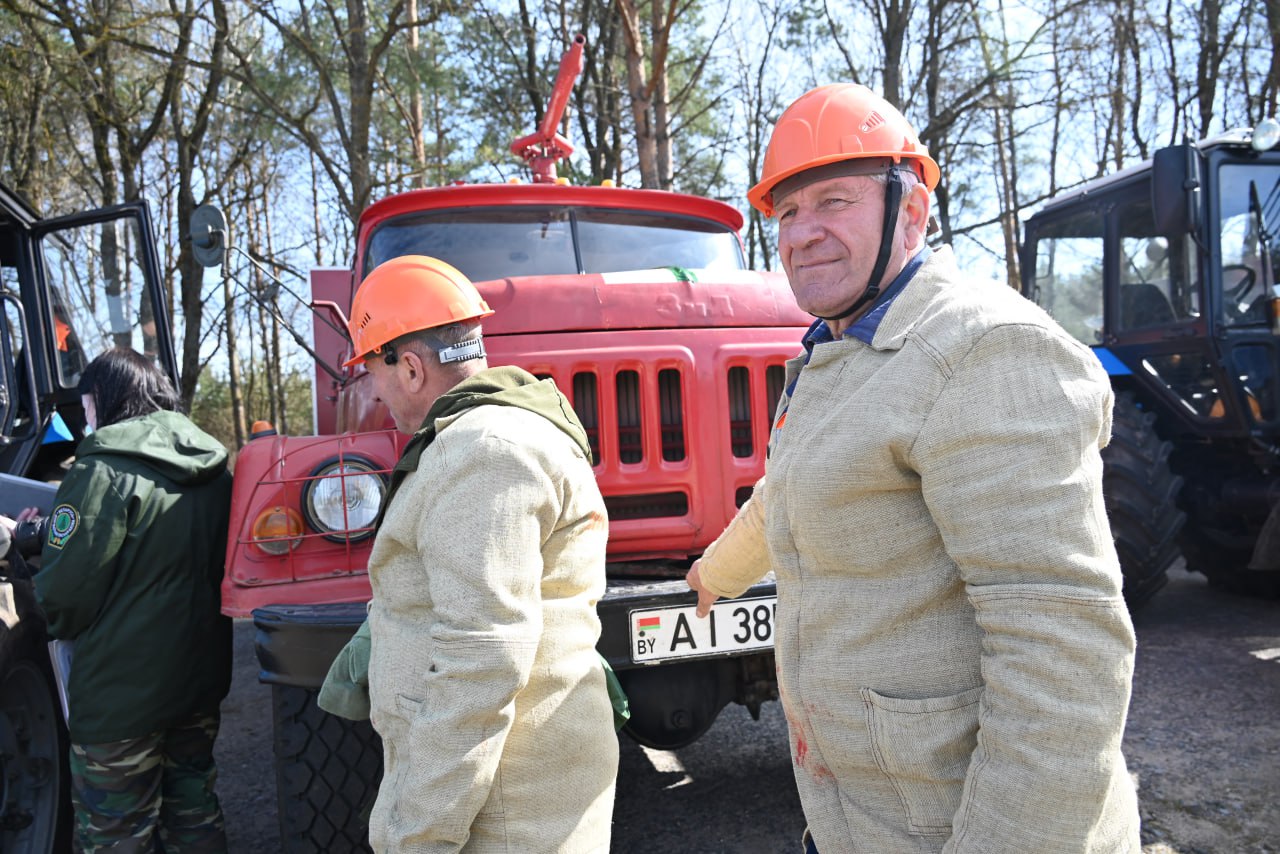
924 748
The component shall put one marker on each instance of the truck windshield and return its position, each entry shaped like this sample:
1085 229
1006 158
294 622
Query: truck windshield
1249 199
498 242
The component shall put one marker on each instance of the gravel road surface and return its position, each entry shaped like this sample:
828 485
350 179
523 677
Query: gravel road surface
1203 741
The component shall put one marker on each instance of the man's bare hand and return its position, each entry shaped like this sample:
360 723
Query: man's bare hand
705 597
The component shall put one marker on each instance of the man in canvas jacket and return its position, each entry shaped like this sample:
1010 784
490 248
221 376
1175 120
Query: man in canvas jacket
954 653
484 681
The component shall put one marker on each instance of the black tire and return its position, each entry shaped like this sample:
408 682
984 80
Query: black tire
1141 497
35 784
327 774
1223 556
1243 581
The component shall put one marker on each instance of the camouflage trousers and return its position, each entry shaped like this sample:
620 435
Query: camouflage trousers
150 794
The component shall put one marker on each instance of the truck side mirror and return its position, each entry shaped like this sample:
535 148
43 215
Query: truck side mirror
209 236
1175 189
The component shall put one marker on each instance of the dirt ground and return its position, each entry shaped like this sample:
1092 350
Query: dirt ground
1203 737
1203 742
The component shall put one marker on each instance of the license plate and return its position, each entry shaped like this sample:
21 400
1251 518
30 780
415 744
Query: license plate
659 634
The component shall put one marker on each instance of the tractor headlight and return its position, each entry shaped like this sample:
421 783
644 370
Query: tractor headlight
343 498
1265 135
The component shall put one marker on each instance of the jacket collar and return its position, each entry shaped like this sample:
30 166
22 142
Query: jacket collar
937 273
865 327
501 386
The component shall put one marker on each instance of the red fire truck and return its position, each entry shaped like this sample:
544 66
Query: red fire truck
638 304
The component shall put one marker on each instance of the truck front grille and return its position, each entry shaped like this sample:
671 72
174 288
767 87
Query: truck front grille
628 402
774 375
586 402
639 426
671 404
740 412
656 506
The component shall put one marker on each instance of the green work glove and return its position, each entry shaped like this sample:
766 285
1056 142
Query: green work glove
621 707
345 691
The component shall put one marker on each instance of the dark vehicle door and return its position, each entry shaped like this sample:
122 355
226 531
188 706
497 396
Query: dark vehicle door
101 278
1156 322
75 286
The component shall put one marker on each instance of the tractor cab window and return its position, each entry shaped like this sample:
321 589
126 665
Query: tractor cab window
1249 201
98 294
1159 284
1068 277
498 242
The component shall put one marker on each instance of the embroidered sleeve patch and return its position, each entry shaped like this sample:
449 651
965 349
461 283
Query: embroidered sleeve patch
62 524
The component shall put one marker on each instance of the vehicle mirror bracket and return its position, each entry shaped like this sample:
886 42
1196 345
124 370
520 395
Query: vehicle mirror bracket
209 245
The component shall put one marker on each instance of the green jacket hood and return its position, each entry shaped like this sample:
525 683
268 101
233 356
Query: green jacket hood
166 441
510 386
504 386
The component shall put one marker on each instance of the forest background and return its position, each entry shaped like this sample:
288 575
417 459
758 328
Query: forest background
294 116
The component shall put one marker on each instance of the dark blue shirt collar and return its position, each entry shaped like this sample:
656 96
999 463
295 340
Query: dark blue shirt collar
864 328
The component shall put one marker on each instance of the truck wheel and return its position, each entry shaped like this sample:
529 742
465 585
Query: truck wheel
1140 493
35 803
327 774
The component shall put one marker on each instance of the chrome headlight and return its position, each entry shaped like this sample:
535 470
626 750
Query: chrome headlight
343 498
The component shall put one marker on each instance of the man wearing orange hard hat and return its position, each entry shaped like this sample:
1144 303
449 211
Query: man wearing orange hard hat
486 569
954 653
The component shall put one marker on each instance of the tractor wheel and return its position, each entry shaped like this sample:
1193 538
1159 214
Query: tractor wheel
35 802
1246 582
327 775
1223 556
1140 493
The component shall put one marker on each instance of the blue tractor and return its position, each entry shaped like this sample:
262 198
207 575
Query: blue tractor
1168 271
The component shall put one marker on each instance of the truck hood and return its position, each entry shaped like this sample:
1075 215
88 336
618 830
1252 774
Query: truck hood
663 298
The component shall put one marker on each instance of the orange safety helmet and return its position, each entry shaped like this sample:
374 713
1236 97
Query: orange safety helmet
408 294
840 121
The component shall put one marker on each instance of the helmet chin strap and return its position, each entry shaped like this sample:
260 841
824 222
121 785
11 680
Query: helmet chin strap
892 198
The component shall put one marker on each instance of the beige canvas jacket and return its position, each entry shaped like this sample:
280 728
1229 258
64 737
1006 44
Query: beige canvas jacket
954 654
484 680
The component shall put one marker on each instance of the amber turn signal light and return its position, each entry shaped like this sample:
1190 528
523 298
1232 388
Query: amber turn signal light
277 530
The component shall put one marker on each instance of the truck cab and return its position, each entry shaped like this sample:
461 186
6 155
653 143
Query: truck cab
639 306
70 288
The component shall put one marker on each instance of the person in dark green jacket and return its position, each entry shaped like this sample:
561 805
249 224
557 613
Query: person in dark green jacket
132 562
